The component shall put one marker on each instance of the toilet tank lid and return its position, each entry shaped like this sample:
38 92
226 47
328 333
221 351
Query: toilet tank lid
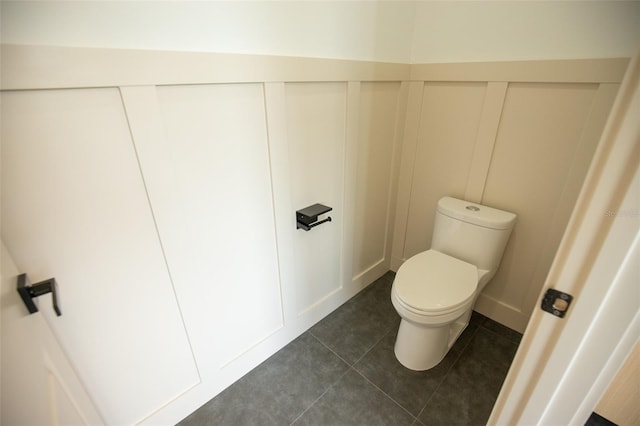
476 214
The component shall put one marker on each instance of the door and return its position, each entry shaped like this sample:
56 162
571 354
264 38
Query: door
74 207
39 386
563 366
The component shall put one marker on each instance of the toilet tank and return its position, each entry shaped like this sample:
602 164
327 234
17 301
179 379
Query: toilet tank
472 232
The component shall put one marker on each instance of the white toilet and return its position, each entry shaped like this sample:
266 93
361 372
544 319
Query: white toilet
434 291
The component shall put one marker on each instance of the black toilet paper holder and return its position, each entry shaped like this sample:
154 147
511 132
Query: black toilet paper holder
307 218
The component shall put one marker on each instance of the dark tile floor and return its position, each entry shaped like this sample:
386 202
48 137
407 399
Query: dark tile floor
343 372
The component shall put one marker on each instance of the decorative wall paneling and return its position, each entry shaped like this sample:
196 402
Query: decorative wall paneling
547 137
227 147
223 167
376 181
450 116
545 71
207 173
67 67
293 144
316 132
523 145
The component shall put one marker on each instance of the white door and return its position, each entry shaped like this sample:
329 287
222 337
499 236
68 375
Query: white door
74 207
39 386
563 366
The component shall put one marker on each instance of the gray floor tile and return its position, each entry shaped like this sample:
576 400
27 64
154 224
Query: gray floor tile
467 394
464 338
477 319
502 330
411 389
462 399
308 383
495 352
360 323
355 401
276 391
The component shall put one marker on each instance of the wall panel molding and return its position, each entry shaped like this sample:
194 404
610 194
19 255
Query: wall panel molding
450 118
316 116
340 127
403 104
375 171
275 107
508 315
71 67
485 139
588 142
351 163
407 163
68 67
547 71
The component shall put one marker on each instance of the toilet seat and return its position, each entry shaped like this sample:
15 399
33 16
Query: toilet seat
432 283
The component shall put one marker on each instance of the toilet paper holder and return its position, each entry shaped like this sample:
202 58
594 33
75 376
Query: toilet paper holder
307 218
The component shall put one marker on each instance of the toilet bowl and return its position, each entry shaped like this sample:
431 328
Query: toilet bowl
430 292
435 290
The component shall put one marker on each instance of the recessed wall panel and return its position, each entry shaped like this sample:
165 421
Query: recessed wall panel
447 132
316 138
210 186
378 117
537 143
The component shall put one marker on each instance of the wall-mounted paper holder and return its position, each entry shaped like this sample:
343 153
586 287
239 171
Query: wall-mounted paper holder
307 218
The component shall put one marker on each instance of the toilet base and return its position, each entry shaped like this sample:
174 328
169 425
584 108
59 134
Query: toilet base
420 348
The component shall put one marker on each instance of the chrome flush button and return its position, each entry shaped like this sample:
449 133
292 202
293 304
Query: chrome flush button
473 208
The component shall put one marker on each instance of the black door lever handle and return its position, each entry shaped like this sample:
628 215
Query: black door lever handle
29 292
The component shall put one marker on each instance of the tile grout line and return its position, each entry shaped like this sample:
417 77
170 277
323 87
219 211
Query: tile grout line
501 335
373 384
326 346
351 367
321 395
385 394
373 346
446 374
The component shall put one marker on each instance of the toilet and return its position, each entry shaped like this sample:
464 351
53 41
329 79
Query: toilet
435 290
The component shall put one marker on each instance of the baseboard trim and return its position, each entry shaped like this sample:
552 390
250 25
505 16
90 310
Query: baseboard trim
371 274
501 312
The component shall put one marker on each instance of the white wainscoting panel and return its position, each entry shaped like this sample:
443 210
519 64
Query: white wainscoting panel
374 178
316 136
449 121
206 165
537 141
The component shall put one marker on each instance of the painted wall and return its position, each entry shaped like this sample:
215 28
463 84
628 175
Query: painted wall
347 30
213 275
523 147
213 149
346 110
408 32
524 30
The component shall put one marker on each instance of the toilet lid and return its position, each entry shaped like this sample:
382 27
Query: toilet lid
434 282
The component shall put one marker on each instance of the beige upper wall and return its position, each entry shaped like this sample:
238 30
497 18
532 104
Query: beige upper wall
358 30
388 31
524 30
